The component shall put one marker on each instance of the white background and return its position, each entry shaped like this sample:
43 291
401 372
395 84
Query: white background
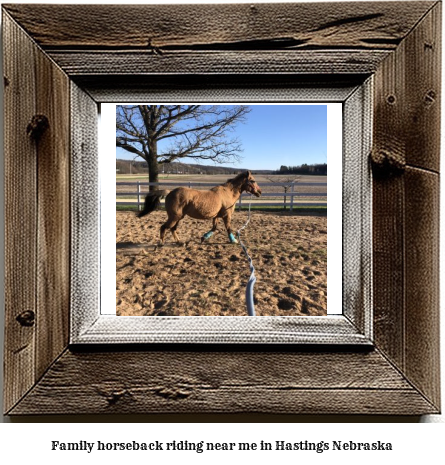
413 443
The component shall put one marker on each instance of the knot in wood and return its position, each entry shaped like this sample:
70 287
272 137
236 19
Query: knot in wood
37 126
430 97
26 318
172 393
387 163
114 397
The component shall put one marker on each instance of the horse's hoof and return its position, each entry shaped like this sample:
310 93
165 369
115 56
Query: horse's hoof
206 236
232 239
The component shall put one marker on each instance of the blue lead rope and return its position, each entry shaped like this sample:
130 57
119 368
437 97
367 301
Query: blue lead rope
249 288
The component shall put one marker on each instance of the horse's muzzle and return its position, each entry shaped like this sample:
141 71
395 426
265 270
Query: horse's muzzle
254 189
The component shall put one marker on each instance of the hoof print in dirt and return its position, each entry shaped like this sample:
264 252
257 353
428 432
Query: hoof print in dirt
305 307
284 304
160 303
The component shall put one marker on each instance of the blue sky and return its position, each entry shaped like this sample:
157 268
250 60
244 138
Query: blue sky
275 135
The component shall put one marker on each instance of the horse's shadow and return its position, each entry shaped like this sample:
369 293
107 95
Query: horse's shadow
131 245
226 243
135 247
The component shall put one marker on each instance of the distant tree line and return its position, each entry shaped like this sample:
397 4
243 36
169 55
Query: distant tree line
131 167
141 167
316 169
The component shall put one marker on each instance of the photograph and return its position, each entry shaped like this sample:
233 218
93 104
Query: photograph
206 192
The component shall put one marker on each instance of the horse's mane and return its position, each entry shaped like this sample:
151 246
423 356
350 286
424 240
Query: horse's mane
237 179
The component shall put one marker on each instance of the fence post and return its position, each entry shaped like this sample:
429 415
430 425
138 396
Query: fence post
139 195
239 204
291 197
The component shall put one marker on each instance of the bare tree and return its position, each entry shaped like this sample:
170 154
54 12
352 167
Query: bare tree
163 133
286 183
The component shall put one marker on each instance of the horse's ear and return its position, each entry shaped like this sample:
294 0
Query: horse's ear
248 174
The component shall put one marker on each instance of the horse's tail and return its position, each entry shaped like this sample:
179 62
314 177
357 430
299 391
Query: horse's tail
152 202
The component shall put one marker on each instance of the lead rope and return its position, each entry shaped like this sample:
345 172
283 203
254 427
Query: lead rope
249 288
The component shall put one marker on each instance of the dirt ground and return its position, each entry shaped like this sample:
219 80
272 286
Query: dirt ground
289 253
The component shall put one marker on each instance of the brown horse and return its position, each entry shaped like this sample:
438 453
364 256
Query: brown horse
218 202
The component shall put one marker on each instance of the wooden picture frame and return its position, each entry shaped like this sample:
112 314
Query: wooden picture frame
56 71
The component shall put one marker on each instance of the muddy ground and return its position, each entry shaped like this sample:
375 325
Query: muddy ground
289 253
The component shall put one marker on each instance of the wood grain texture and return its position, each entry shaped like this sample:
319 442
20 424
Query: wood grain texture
218 88
85 211
20 213
222 382
407 114
388 268
53 223
423 91
357 209
406 206
388 201
422 281
37 228
153 27
125 63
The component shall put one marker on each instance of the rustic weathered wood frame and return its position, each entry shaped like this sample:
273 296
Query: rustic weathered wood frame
67 60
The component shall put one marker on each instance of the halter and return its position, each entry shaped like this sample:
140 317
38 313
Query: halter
251 184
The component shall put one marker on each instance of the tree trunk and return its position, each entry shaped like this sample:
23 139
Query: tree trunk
153 168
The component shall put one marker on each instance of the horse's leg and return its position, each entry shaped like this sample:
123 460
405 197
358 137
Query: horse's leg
227 223
162 235
209 234
171 223
173 231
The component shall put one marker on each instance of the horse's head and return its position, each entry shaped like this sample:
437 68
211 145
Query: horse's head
251 186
